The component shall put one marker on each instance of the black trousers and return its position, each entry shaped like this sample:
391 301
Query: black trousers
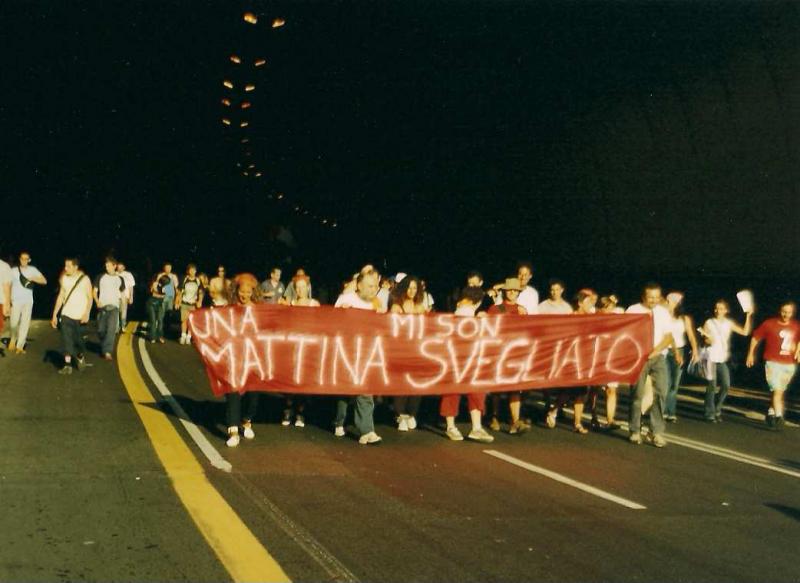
72 337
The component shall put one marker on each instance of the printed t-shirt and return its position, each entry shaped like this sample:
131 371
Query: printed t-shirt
780 341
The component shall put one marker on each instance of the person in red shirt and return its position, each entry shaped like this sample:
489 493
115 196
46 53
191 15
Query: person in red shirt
511 289
781 353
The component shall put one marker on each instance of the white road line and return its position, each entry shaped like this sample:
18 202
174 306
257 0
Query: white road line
565 480
205 446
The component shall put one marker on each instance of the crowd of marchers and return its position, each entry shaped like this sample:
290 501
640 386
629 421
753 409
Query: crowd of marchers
677 341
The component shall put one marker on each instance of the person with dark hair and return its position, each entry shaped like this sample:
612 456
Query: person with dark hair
608 305
528 296
655 368
126 301
408 297
585 301
272 288
475 281
781 338
73 306
363 298
219 288
682 330
108 290
156 308
22 279
555 304
244 292
717 332
188 299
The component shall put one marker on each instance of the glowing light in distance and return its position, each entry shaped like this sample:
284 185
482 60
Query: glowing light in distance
249 87
226 121
250 17
244 124
227 84
245 105
278 22
245 140
260 62
235 59
226 102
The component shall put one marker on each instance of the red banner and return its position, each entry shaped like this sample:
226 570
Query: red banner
349 352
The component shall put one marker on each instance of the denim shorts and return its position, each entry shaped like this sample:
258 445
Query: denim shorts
779 375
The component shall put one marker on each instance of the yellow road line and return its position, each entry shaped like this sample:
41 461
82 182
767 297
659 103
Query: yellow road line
243 556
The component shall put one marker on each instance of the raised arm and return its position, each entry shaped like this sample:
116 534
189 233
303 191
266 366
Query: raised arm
747 328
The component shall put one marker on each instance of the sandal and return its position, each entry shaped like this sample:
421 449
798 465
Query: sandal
580 429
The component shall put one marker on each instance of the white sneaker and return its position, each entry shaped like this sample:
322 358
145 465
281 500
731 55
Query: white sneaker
402 424
233 437
248 432
454 434
339 431
299 422
182 340
412 423
369 438
480 434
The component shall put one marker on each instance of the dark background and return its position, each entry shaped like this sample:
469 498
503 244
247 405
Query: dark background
608 142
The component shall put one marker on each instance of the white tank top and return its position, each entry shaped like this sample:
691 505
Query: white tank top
679 332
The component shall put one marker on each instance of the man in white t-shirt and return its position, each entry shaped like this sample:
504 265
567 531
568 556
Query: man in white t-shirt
127 300
5 295
73 305
22 279
528 297
655 368
365 297
109 289
555 304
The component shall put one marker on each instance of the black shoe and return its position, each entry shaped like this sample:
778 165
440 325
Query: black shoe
779 423
771 421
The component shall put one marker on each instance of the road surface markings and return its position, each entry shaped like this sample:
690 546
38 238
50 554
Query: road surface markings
565 480
197 436
241 553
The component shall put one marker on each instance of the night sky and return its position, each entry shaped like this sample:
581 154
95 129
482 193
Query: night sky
605 141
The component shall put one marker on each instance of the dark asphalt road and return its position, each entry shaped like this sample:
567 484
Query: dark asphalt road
416 508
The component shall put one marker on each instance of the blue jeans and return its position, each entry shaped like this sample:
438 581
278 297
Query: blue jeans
156 309
675 372
72 337
715 401
363 417
656 368
107 327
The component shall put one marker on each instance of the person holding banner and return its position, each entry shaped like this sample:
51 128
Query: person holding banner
365 297
470 301
585 301
296 404
655 368
244 292
781 338
511 290
608 305
717 332
408 297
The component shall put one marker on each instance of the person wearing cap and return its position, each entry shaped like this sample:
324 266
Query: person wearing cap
508 305
682 330
244 292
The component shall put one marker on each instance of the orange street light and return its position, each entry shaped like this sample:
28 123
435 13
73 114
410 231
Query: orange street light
226 102
235 59
250 87
245 105
227 84
250 17
260 62
278 22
